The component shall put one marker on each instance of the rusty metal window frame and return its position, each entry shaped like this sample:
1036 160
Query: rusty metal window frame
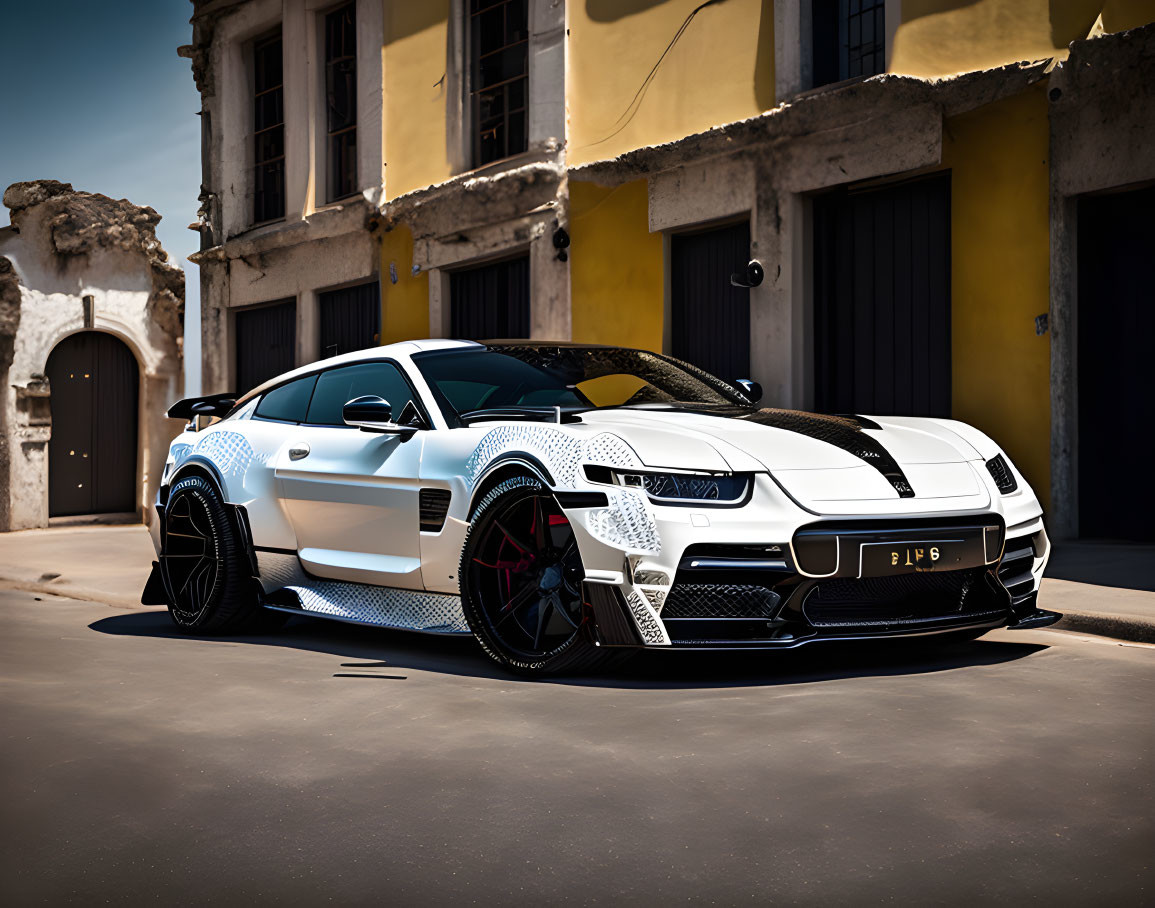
268 132
498 127
340 46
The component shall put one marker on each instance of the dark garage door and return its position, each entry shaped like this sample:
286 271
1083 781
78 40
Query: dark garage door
266 343
882 299
94 382
350 319
1116 307
710 318
491 301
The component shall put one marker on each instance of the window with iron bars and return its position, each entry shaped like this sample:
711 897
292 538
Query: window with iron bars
341 101
849 39
268 130
499 78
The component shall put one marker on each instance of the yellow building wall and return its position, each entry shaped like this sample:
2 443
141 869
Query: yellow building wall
404 304
946 37
1120 15
616 267
721 69
414 106
1000 277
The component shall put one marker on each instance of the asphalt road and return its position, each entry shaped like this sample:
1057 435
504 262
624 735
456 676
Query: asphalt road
360 766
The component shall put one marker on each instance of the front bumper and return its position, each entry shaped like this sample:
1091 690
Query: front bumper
787 593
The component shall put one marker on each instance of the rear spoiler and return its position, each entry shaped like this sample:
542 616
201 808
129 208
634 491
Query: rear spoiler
209 405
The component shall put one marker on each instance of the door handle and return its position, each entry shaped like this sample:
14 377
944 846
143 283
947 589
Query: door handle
299 451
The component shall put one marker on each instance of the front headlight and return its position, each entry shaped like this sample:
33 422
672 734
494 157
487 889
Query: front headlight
677 488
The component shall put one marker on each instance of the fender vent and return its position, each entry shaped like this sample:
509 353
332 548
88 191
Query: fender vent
1015 568
434 506
1000 471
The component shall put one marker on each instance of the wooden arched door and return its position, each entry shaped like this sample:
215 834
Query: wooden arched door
92 455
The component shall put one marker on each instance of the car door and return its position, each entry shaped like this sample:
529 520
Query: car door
351 495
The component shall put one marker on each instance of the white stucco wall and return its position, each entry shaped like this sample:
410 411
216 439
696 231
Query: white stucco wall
52 290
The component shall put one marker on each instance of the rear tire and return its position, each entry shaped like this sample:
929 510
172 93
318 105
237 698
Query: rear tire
206 571
521 584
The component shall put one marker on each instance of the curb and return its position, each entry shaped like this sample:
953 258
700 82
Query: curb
1134 630
67 592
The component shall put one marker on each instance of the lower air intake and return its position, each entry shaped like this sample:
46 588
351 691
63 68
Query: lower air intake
720 600
906 599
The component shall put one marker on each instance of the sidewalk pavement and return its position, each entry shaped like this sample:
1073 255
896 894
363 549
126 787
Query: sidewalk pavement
1101 588
102 563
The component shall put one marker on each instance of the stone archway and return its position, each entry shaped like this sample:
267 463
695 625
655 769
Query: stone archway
94 381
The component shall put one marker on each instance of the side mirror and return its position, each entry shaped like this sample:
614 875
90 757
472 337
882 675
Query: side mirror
374 414
750 388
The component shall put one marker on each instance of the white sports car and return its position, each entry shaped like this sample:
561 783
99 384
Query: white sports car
568 503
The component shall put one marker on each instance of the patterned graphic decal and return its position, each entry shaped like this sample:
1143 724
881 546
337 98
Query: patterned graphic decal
627 523
656 597
648 624
411 610
556 448
180 452
609 450
229 452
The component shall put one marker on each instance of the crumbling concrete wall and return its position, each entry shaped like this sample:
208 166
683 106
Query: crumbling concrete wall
65 246
1102 115
9 324
319 244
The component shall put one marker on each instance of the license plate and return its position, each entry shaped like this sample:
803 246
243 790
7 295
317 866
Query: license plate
879 559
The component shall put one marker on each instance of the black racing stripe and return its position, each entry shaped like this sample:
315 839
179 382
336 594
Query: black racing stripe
862 421
841 431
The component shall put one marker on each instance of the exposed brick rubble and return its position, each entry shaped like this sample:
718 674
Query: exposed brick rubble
81 223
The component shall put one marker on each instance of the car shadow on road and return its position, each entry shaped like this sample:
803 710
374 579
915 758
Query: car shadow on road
376 649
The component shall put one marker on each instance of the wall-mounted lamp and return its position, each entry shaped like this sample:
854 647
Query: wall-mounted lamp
561 243
751 277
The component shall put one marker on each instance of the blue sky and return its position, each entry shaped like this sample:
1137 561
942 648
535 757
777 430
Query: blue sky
93 94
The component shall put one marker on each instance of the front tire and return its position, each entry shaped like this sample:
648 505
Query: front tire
206 571
521 583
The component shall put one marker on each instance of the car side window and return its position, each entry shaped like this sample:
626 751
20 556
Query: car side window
289 402
337 387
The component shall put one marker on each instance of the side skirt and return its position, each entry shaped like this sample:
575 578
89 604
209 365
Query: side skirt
375 606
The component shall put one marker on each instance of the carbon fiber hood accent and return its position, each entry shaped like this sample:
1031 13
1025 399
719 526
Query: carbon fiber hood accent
842 432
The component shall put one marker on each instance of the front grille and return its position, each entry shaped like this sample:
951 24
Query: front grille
720 600
1015 568
1001 473
433 506
904 599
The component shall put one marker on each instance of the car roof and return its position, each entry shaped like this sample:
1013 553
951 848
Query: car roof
403 350
399 350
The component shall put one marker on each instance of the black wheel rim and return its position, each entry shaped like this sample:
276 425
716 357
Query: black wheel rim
526 573
189 562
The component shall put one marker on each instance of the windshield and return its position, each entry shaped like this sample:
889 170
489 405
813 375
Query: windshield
535 376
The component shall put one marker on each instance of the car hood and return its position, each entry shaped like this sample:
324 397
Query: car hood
776 439
826 463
